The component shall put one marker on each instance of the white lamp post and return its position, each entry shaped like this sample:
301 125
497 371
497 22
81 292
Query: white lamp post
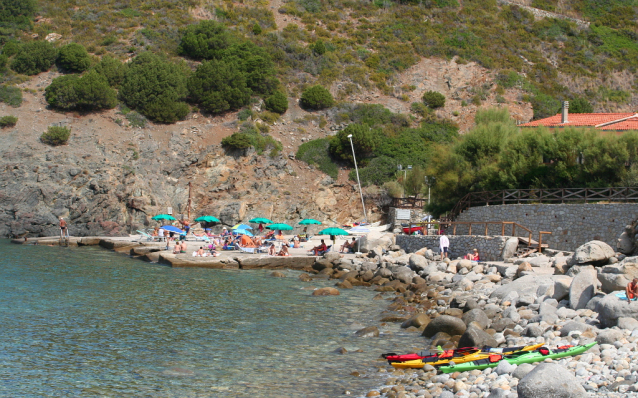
365 216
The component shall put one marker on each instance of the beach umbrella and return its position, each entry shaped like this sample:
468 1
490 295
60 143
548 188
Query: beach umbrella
163 217
261 220
240 231
171 228
207 219
281 226
308 221
242 226
333 231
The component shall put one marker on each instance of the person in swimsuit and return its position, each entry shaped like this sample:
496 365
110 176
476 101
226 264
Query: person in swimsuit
64 230
632 290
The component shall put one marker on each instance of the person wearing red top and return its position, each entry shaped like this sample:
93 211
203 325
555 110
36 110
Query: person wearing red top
632 290
319 249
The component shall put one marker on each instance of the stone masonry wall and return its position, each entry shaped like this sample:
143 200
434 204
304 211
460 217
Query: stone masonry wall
571 224
490 247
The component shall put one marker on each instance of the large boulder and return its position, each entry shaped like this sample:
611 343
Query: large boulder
446 324
583 288
574 326
476 315
374 239
550 380
326 291
609 336
475 337
626 243
532 286
616 276
595 252
418 262
511 245
416 320
610 308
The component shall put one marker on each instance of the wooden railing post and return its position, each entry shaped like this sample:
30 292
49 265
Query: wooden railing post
502 229
486 229
454 229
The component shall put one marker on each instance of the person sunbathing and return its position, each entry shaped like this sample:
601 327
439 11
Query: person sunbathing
177 248
320 249
345 246
272 250
295 242
632 290
270 234
303 237
200 252
474 256
284 250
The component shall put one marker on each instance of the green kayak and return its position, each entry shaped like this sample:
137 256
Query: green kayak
519 357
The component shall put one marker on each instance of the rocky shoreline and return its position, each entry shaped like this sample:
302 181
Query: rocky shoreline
558 298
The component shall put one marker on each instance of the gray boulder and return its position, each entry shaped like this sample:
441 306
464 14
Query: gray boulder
446 324
475 337
511 245
616 276
504 367
522 370
532 286
595 252
512 313
540 261
370 331
476 315
416 320
609 336
627 323
610 308
550 380
417 262
583 288
574 326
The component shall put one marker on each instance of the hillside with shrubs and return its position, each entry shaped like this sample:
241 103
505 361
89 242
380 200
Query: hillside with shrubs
162 62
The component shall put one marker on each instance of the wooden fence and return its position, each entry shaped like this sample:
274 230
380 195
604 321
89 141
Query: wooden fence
409 203
558 195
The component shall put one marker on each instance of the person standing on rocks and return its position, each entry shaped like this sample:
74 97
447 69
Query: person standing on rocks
632 290
64 229
444 245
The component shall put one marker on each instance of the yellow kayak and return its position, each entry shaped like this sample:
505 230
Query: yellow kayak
474 356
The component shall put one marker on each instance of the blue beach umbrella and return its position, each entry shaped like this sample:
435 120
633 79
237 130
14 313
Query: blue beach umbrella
242 226
240 231
171 228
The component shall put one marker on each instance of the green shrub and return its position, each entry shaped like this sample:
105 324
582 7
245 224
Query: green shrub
11 95
580 105
135 119
380 170
89 92
316 98
17 12
257 29
218 86
8 121
249 136
319 48
74 58
112 69
205 40
10 48
236 141
278 103
155 88
363 139
244 114
316 152
545 106
434 99
34 57
56 135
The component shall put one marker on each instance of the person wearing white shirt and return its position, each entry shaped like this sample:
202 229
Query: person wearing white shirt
444 245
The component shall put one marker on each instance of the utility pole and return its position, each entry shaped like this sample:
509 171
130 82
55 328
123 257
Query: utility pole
365 216
188 205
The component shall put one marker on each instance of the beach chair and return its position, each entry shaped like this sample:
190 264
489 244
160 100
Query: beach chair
145 235
202 238
251 250
325 251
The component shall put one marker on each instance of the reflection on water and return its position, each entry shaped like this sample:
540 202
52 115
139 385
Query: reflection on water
88 322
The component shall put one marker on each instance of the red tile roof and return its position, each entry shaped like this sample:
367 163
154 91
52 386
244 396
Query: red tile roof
603 121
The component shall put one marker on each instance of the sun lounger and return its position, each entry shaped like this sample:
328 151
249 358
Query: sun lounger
145 235
251 250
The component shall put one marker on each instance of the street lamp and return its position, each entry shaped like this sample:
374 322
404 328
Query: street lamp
429 182
365 216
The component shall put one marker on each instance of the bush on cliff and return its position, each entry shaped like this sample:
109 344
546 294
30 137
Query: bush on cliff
34 57
205 40
113 69
219 86
250 136
11 95
74 58
364 140
317 153
56 135
156 88
8 121
278 103
433 99
89 92
316 98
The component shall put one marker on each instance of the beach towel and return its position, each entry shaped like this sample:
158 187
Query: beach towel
623 296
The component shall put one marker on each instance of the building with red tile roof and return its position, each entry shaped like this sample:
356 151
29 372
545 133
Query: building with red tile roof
601 121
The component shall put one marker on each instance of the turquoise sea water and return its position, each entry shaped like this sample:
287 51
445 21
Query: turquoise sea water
86 322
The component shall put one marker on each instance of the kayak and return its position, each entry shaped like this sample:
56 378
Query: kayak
518 358
460 355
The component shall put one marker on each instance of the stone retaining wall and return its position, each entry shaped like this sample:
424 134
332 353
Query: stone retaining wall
571 224
490 247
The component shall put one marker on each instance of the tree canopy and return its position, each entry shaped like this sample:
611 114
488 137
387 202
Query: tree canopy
219 86
73 57
34 57
89 92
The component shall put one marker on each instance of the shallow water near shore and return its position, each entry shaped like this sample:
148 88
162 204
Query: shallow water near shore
89 322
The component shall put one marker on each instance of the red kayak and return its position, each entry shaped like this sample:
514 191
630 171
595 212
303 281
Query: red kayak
447 354
411 230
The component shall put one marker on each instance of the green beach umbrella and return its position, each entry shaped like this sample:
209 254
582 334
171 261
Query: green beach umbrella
308 221
333 231
283 227
261 220
163 217
207 219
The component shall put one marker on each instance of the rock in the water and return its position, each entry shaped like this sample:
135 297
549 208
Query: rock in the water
550 380
609 336
447 324
476 315
504 367
370 331
326 291
595 252
522 370
475 337
583 288
417 321
278 274
610 308
628 323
